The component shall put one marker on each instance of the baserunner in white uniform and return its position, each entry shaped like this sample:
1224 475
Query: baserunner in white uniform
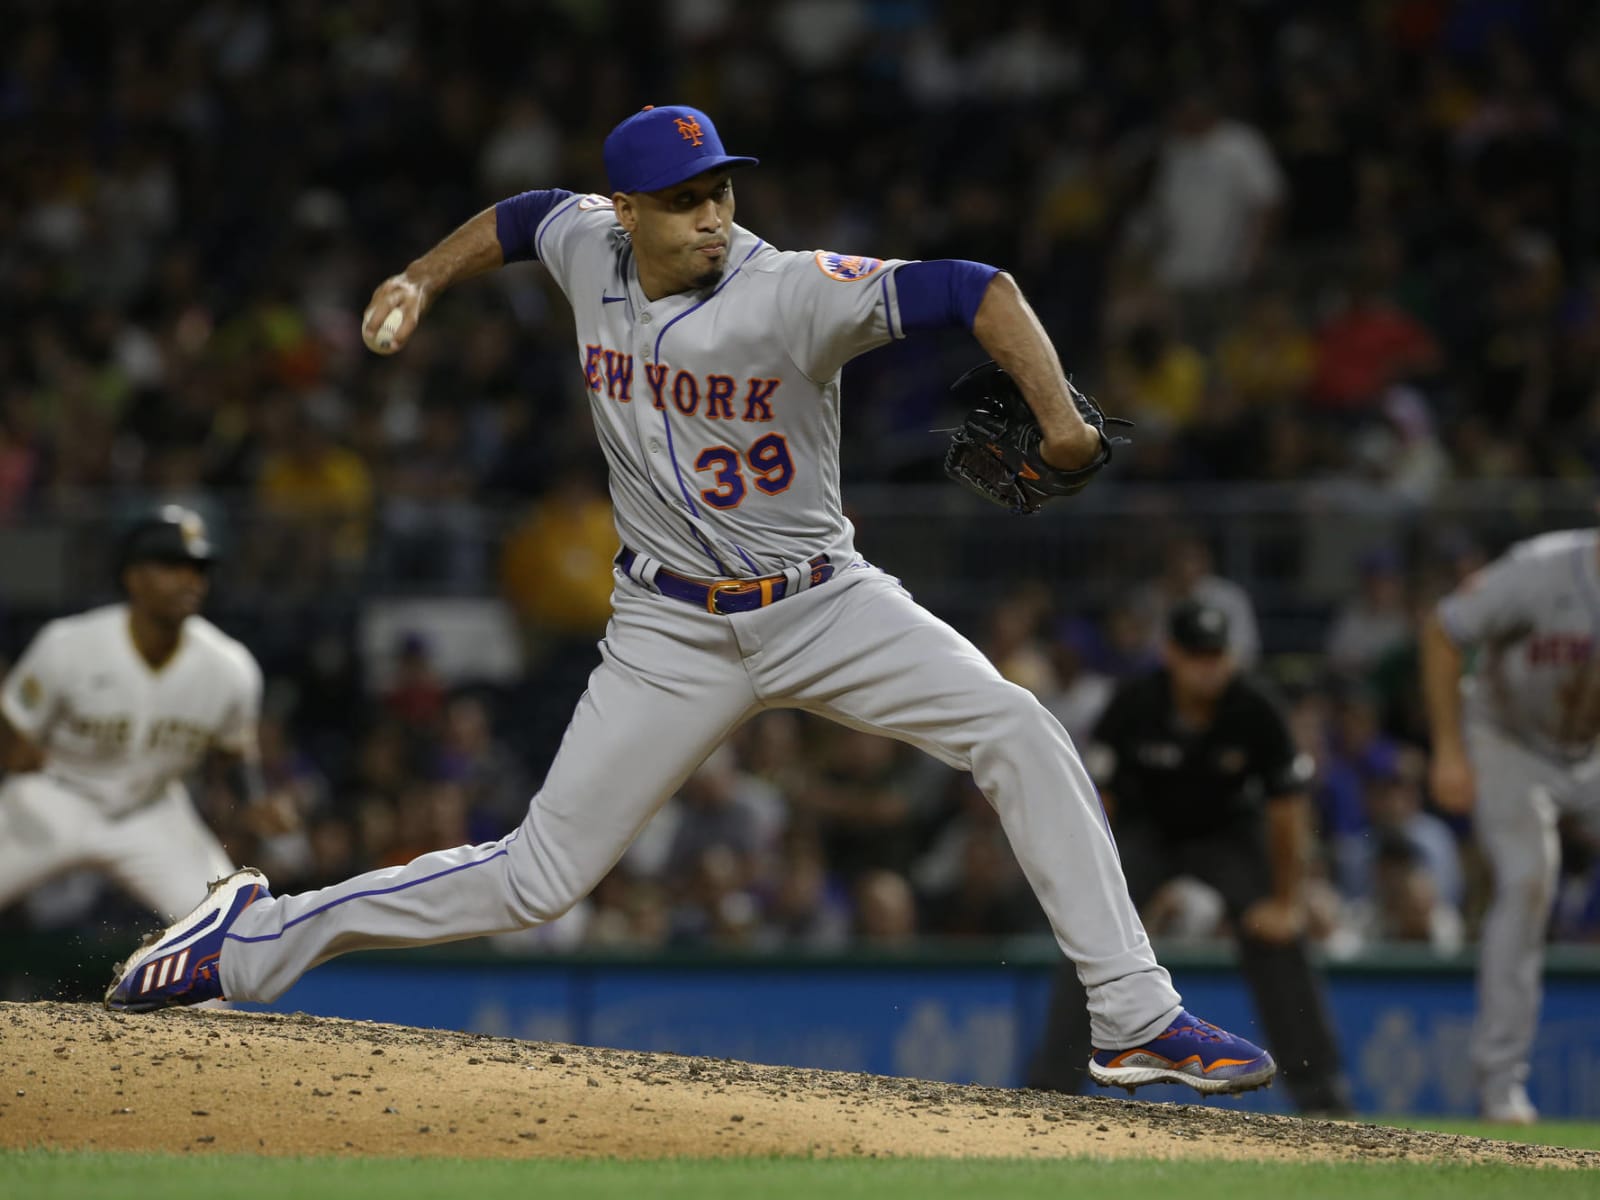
107 712
1513 744
712 361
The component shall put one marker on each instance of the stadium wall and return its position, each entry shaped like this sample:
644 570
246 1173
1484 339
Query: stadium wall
1404 1020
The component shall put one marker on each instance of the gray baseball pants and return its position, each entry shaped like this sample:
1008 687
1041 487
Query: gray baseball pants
1520 796
673 683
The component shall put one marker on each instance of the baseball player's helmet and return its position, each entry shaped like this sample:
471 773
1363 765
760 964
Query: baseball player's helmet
172 534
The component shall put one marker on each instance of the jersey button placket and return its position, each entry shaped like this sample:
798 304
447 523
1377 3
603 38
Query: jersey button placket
651 422
646 413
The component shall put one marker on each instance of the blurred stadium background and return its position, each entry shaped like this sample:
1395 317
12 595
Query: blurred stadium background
1361 338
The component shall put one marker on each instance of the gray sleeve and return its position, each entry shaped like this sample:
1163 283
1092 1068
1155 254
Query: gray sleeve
833 307
1492 603
570 225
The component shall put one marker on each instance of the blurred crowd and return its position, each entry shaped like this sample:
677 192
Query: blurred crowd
1291 239
1295 241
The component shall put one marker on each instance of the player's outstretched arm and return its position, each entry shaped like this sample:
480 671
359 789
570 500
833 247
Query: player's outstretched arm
399 302
1007 327
1280 916
265 812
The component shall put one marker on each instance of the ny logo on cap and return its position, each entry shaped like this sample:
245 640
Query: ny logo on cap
689 129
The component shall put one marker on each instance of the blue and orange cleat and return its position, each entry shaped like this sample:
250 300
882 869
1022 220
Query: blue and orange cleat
1189 1051
178 966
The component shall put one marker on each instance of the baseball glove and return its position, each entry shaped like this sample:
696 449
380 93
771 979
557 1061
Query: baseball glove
995 452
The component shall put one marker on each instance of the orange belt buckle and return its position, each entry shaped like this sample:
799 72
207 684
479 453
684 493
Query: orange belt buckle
765 584
725 585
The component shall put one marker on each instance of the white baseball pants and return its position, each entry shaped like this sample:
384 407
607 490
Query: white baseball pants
163 854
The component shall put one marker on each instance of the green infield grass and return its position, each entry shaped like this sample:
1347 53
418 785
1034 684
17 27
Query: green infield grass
40 1174
1580 1135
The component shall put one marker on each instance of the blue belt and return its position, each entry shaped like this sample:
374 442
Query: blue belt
725 596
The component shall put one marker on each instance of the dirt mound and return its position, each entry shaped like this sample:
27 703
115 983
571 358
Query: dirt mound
76 1076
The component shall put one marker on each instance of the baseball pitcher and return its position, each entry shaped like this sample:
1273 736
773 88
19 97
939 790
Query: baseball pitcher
712 362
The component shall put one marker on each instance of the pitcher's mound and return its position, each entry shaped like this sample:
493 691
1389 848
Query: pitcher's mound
79 1077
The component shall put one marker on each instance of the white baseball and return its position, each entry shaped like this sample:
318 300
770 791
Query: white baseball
384 339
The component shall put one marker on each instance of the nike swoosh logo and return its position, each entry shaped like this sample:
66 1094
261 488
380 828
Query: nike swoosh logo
612 299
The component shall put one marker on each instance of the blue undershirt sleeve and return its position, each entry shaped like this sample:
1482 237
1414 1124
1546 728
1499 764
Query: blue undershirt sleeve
516 221
942 293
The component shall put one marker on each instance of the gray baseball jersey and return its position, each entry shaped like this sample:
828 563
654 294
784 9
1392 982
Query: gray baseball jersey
718 412
1535 613
720 421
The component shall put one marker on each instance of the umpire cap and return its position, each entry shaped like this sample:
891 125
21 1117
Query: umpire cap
1198 627
172 534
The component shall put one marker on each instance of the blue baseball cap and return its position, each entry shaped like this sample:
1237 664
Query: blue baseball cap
658 147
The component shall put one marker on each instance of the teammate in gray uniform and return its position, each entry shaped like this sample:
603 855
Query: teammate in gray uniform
712 362
1511 743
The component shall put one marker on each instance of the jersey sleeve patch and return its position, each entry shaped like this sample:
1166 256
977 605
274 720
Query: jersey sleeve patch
592 201
846 268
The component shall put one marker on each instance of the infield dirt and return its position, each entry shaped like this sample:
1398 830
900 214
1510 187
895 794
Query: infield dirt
74 1076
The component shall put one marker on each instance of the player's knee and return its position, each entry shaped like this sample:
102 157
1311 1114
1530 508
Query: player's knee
547 911
1016 718
1030 717
1529 889
538 902
538 893
1539 890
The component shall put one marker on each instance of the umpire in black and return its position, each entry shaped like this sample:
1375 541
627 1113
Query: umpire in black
1200 777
